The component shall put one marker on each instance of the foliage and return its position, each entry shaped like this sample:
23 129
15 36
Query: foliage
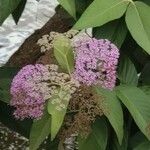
8 7
126 121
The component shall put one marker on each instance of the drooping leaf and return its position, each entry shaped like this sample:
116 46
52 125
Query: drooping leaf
18 11
69 6
57 107
145 75
112 110
101 12
138 23
127 73
39 131
63 52
6 8
115 31
97 140
138 104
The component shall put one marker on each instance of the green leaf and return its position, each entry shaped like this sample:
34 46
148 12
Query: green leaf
57 107
115 31
136 140
101 12
18 11
112 110
145 89
145 75
63 52
8 72
69 6
81 5
6 76
6 8
115 144
143 146
39 131
97 140
138 104
138 23
5 90
127 73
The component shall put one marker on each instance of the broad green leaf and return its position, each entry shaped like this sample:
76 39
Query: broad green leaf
138 104
112 110
39 131
101 12
97 140
69 6
143 146
18 11
138 23
63 52
6 8
115 31
57 107
127 73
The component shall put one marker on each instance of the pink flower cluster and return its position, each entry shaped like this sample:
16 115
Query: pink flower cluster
96 62
27 95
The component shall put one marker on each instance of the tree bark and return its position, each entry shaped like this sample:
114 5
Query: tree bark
29 52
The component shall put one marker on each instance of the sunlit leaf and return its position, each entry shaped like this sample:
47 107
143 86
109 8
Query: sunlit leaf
101 12
63 52
138 104
138 23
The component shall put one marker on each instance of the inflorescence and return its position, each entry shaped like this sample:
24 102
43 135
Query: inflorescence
34 85
96 62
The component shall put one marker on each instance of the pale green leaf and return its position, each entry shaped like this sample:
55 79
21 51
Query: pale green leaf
63 52
127 73
138 104
138 23
57 107
112 110
69 6
97 140
6 8
39 131
101 12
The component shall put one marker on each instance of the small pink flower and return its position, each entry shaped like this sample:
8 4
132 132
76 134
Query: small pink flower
27 97
96 62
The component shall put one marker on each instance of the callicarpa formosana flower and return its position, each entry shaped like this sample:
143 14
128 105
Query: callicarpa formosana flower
96 62
29 91
34 85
